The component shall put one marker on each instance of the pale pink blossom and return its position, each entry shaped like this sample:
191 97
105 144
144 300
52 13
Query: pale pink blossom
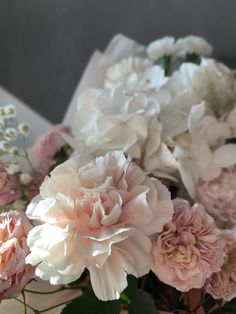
10 188
189 249
47 145
222 285
219 196
3 177
97 214
14 273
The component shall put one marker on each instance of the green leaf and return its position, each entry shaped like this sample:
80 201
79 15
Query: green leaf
130 292
175 299
88 303
227 308
142 303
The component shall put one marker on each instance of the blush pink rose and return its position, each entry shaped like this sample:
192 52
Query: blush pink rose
47 145
14 273
219 196
189 249
222 285
9 188
97 214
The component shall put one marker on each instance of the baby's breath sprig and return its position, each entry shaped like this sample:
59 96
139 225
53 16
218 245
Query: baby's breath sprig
12 138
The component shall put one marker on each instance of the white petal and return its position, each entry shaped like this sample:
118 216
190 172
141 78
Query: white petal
30 212
109 281
203 162
186 176
195 115
225 156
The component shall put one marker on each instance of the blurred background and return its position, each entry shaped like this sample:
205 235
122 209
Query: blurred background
45 44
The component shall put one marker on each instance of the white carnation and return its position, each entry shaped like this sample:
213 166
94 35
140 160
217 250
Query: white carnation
161 47
135 75
193 44
107 120
100 215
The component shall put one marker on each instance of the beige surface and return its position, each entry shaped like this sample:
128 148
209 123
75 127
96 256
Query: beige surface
38 301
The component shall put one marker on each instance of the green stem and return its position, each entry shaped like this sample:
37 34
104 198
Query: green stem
23 295
193 58
165 63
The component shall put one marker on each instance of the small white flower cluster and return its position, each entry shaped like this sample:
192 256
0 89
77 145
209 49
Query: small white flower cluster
11 133
12 137
168 46
13 168
25 178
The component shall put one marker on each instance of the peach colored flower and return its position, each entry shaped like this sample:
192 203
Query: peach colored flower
98 215
222 285
219 196
47 145
189 249
14 273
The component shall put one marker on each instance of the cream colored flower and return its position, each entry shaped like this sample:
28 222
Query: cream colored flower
202 152
107 119
97 215
211 81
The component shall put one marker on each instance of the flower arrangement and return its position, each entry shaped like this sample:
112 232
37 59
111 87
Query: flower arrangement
133 204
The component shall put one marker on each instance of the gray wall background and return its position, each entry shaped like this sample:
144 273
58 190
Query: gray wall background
45 44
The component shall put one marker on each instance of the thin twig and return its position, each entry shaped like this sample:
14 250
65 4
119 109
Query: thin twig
23 295
51 292
30 307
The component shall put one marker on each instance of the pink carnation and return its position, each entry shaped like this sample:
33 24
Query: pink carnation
219 196
97 214
47 145
222 285
9 187
189 249
14 273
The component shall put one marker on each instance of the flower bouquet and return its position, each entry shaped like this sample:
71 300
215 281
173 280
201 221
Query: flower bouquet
129 206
